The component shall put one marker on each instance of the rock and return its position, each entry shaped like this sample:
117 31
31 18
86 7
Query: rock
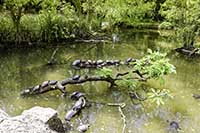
83 127
3 115
34 120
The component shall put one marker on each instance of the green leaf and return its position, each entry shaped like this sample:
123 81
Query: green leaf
105 72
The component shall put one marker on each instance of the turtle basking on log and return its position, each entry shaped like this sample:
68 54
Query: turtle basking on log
76 77
76 63
45 84
53 82
99 63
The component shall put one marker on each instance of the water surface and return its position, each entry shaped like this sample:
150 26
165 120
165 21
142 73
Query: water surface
21 68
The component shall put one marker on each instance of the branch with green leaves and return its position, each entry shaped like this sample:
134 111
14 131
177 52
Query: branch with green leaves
153 66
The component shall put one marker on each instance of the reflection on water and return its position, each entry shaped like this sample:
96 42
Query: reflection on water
26 67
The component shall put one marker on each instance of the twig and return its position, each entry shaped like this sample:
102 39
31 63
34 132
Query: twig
52 59
123 117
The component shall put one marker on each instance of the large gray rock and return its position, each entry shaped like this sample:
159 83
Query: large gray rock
34 120
3 115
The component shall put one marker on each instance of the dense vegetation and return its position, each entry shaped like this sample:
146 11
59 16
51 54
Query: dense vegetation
61 20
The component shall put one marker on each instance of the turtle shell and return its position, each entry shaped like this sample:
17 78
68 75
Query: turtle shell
70 114
36 88
174 125
99 62
129 60
76 77
76 95
52 82
44 84
76 63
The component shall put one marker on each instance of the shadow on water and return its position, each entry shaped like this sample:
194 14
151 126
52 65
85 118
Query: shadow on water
26 67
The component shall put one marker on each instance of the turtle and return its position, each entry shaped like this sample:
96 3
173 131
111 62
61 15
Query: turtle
79 104
129 60
76 95
116 62
26 91
83 61
174 125
86 64
36 88
99 62
45 84
71 113
196 96
53 82
76 77
86 77
94 62
76 63
89 62
109 62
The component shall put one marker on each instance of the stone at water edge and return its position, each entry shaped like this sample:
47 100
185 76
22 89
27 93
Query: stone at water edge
83 127
34 120
3 115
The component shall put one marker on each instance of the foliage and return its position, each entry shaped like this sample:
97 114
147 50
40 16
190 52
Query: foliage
158 96
184 16
130 83
7 27
16 8
54 25
105 72
154 65
123 11
60 20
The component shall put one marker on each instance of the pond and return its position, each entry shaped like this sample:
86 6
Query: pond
21 68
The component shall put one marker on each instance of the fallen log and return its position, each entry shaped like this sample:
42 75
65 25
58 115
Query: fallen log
51 85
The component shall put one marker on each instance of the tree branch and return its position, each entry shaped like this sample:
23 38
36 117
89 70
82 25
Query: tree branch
60 85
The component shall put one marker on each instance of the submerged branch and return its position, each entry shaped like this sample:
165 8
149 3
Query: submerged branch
123 117
52 59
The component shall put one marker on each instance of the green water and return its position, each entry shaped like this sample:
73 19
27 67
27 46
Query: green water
22 68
